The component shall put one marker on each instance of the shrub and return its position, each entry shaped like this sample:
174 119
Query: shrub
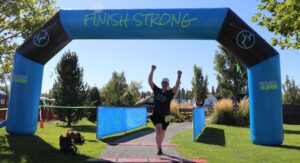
242 114
223 112
174 109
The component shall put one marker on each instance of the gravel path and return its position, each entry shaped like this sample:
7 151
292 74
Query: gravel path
142 145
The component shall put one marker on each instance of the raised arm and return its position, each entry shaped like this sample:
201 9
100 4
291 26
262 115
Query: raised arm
175 88
150 78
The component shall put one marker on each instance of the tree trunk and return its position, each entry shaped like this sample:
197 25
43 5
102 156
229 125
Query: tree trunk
69 120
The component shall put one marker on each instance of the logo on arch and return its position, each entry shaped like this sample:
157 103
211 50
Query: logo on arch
245 39
268 85
41 39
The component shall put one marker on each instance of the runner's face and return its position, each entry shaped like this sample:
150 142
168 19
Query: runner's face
165 85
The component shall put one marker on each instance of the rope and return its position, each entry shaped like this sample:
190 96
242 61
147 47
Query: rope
69 107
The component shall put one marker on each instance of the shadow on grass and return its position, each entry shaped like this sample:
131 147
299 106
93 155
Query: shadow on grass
81 128
291 132
170 158
115 140
32 149
289 147
213 136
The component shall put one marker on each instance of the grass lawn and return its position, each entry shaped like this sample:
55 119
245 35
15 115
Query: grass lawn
44 145
219 143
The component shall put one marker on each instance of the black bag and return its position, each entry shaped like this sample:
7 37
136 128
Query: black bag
77 138
67 146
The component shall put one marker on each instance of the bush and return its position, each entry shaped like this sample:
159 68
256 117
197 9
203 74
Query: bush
223 112
242 114
174 109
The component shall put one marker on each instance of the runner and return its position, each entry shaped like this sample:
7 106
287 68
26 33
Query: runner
161 112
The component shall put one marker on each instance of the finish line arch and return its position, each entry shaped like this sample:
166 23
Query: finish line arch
221 24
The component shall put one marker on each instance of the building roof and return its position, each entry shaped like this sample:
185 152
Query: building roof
145 101
2 93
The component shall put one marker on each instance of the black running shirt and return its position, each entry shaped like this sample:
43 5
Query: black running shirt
162 100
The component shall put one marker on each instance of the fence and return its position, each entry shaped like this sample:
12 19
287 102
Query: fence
291 114
112 120
3 113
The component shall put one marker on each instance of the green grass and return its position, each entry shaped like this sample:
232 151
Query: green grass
44 145
219 143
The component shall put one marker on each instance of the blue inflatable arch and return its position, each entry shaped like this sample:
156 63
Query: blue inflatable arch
220 24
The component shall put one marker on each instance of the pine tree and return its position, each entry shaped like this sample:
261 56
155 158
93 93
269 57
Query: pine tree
69 88
93 99
213 92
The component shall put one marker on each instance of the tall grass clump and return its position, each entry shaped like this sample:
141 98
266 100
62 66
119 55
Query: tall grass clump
242 114
223 112
174 109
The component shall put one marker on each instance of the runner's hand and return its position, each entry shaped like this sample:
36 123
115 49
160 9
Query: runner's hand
179 73
153 67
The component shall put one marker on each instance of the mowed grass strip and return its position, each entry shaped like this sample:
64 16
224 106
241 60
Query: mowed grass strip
219 143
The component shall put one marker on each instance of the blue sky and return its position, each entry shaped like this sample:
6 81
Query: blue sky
100 58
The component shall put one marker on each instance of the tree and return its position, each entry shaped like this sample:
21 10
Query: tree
134 88
199 86
213 92
5 69
93 99
180 94
128 99
231 75
282 18
188 94
145 94
113 91
291 92
19 19
69 88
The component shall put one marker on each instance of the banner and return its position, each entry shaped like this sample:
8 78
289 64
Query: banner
112 120
198 121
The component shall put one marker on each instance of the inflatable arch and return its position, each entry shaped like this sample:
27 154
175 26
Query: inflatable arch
220 24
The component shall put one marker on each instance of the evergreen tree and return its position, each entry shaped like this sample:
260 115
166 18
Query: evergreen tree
213 92
231 75
182 94
188 94
199 86
93 99
143 94
69 88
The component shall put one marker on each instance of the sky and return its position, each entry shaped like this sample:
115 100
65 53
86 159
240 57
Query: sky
99 58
